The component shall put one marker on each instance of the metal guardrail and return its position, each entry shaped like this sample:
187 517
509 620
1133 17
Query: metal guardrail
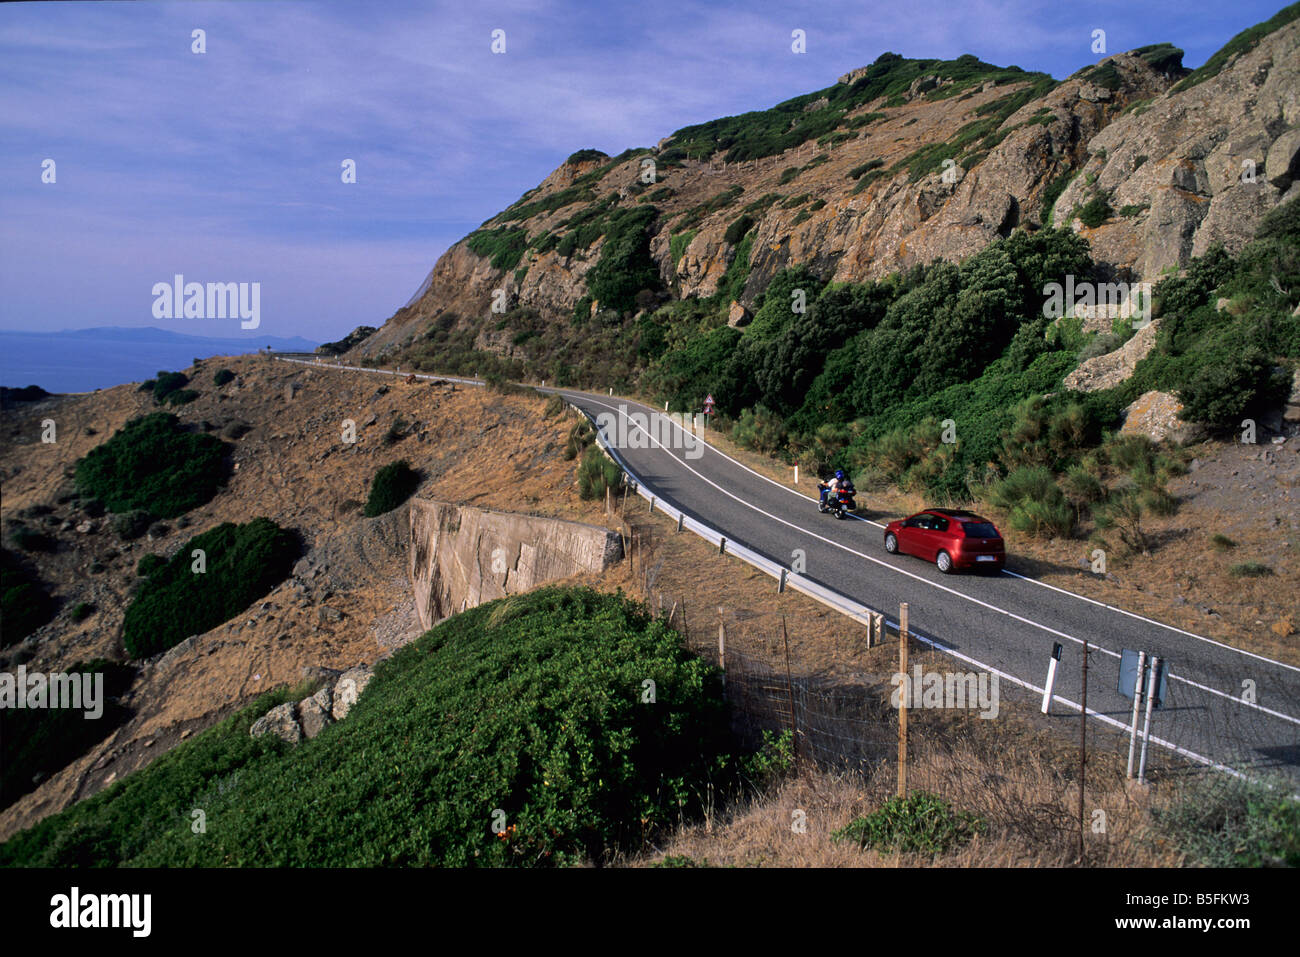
858 611
323 364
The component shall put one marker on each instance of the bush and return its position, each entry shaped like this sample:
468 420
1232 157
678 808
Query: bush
736 231
1034 502
1094 212
81 611
1221 542
222 376
531 704
181 397
919 823
40 741
131 525
30 540
149 565
1222 822
1250 570
24 603
392 485
242 563
153 463
596 473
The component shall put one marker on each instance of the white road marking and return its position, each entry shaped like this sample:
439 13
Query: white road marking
883 564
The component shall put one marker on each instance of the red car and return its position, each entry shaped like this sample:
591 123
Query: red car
951 538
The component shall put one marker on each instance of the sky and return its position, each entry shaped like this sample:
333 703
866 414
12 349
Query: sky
227 165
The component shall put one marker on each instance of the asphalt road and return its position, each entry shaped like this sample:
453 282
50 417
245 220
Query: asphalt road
1223 706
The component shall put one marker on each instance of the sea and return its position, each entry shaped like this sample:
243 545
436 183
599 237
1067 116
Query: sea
82 360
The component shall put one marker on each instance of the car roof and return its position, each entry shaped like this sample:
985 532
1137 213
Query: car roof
960 514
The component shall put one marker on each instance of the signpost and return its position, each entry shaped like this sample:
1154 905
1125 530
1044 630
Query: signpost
708 409
1143 678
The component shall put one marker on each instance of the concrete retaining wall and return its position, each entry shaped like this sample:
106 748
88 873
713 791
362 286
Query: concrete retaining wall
462 556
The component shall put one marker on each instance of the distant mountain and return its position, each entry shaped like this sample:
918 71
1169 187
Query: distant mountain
81 360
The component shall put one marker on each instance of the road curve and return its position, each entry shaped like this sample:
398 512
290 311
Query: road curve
1225 707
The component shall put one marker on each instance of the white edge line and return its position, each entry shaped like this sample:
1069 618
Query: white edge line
1035 581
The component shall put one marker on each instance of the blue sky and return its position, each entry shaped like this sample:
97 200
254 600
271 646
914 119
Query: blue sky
225 166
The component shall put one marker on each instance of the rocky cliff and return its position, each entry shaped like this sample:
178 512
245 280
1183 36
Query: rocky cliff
1159 163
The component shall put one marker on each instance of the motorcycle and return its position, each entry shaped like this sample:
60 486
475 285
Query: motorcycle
841 503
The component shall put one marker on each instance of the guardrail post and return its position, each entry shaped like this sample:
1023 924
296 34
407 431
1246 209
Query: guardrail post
680 515
780 586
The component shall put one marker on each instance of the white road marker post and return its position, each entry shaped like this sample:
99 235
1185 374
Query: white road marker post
1051 676
796 473
1146 722
1137 709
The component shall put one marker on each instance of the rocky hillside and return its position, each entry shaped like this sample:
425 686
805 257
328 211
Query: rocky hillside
900 163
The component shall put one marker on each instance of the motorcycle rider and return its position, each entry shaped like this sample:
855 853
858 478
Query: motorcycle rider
832 486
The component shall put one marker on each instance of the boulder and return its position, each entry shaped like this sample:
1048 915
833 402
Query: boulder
279 721
348 688
315 713
738 315
1155 415
1283 164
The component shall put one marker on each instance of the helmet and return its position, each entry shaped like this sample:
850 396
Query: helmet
839 474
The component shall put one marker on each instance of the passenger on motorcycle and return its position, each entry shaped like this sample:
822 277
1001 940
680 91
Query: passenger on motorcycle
833 485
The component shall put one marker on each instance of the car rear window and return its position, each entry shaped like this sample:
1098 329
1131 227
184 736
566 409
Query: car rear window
980 530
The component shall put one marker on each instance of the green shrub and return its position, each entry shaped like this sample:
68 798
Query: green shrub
919 823
153 463
131 525
242 563
167 383
531 705
30 540
1225 822
738 228
585 156
677 244
222 376
1250 570
25 605
1094 212
1034 502
181 397
392 485
149 564
1221 542
596 473
503 247
626 266
580 436
40 741
81 611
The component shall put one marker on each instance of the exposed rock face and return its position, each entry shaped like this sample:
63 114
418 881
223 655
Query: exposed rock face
462 556
306 719
1103 372
1179 165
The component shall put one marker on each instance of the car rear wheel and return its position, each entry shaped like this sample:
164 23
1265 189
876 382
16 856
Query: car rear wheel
891 544
944 561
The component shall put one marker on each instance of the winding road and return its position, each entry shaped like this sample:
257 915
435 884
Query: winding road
1225 707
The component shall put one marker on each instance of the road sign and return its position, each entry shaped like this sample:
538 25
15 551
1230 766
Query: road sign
1128 676
708 404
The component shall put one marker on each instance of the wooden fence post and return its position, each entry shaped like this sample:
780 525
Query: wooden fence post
905 693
